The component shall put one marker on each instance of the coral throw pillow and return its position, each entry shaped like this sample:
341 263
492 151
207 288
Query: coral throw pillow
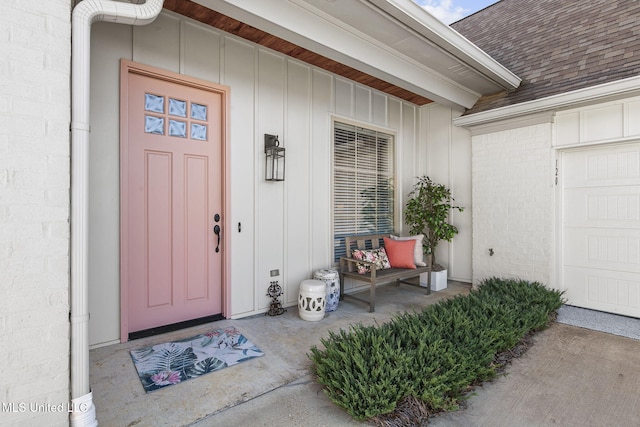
418 258
400 252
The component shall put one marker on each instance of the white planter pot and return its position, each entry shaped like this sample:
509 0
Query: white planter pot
438 280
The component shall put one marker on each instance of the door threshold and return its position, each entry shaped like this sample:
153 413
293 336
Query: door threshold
174 327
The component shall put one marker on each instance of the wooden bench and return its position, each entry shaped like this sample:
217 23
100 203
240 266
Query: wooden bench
375 276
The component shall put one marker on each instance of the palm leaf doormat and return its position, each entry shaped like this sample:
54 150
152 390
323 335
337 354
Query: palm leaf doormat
170 363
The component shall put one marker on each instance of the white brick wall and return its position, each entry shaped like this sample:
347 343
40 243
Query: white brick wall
513 204
34 211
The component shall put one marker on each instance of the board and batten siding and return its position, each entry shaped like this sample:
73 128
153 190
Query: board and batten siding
448 161
285 226
615 121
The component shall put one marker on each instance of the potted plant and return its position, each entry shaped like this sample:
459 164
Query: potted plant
426 212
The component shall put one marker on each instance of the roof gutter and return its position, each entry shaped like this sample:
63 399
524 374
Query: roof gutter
84 15
416 18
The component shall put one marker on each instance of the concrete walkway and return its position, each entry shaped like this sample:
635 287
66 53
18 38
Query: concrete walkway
569 377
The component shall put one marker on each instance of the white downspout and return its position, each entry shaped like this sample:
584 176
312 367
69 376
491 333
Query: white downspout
87 12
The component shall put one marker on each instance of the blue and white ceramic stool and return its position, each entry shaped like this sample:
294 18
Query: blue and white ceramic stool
312 300
332 279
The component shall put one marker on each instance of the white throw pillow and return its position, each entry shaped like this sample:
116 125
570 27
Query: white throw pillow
418 258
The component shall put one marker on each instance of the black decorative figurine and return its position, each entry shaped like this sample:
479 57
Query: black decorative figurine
275 291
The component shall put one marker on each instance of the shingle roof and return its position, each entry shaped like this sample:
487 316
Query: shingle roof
556 46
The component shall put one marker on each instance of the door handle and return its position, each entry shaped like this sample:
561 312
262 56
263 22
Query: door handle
216 230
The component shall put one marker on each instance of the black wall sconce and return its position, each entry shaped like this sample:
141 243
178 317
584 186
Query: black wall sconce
274 167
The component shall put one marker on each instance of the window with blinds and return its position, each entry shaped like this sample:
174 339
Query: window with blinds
362 183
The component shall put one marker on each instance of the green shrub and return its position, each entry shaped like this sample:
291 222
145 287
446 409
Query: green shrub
434 355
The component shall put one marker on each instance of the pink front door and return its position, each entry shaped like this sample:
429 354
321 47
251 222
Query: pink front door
172 175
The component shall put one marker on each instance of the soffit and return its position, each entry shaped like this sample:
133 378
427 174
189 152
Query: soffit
233 26
406 28
377 41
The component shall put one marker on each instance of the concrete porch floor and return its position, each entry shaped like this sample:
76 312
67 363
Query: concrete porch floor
286 339
570 376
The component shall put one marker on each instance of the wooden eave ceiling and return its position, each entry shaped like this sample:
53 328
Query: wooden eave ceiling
225 23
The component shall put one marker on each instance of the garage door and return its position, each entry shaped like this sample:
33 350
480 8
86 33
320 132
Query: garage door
601 228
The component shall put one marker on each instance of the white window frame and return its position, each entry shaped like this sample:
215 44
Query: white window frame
392 164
